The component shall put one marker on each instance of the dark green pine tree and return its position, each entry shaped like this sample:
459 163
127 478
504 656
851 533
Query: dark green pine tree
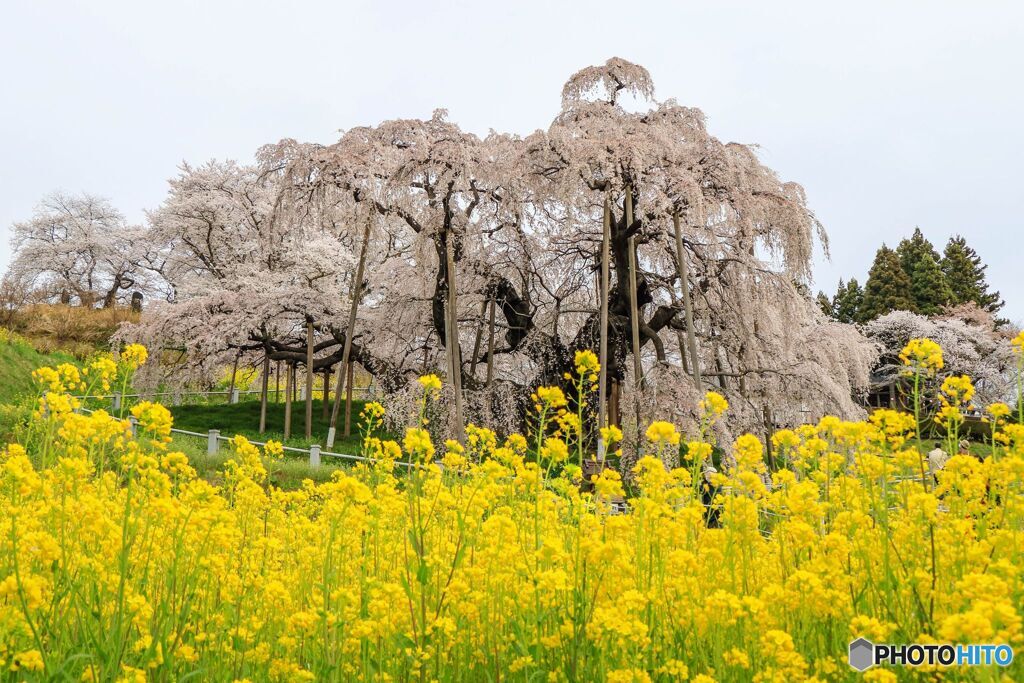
887 288
919 260
928 286
825 304
847 302
965 275
914 249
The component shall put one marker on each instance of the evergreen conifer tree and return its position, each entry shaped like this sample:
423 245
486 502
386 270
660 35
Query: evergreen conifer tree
825 304
887 288
847 302
920 261
928 286
912 250
965 275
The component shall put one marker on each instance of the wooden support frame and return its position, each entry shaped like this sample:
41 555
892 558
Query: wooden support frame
602 383
346 352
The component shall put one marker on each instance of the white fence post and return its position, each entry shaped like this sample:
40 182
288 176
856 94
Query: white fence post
302 392
115 402
314 455
135 425
234 395
213 442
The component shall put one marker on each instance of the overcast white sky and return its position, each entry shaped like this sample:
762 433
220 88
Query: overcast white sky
891 114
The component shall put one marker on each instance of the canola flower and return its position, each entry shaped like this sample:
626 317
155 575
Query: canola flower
118 563
662 434
1018 343
134 355
587 365
1018 348
922 355
714 404
430 383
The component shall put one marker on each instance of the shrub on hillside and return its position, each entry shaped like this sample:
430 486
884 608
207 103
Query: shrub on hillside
74 329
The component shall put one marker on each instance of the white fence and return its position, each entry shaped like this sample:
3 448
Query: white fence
233 396
213 440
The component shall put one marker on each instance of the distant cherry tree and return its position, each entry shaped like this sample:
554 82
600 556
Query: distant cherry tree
78 248
972 344
255 254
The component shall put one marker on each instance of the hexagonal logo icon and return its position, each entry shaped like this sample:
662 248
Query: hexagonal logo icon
862 654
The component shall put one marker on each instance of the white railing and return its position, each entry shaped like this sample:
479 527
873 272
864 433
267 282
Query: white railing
233 396
213 440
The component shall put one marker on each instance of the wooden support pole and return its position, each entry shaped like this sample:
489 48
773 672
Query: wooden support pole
348 398
718 363
264 387
634 309
326 394
346 352
478 339
490 345
682 352
288 402
309 379
684 284
449 369
453 336
602 383
614 417
634 319
234 375
277 382
634 315
426 352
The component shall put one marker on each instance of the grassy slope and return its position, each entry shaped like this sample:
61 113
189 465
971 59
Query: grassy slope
287 474
17 361
244 418
18 358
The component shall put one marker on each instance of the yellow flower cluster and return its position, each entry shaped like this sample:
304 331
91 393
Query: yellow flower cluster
611 435
662 433
417 443
1018 343
554 450
587 365
63 378
922 355
101 372
118 563
430 383
134 355
714 404
549 397
956 393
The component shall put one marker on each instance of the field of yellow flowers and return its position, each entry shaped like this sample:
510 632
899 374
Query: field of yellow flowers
487 561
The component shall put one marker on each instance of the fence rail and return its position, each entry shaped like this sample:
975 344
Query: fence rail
213 440
117 397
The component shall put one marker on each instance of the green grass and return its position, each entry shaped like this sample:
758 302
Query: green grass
18 359
244 418
977 448
287 474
